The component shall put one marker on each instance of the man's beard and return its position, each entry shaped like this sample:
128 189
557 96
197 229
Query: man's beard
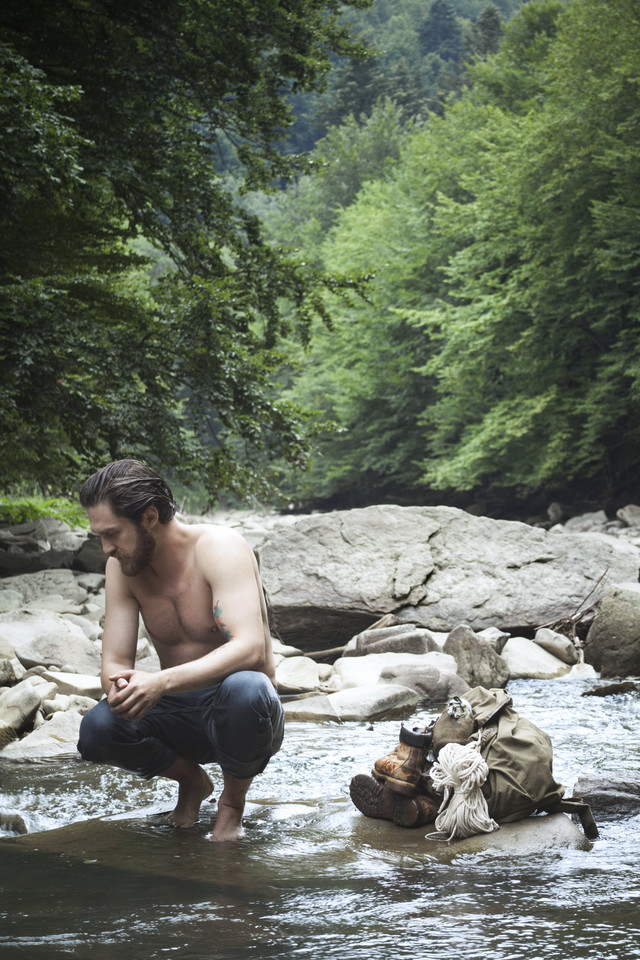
141 557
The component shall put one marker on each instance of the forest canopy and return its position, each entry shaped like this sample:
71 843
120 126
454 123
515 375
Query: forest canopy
498 350
378 251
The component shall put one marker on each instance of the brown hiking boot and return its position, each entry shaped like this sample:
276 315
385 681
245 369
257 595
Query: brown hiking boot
401 770
377 800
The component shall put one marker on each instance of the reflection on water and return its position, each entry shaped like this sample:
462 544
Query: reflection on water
314 879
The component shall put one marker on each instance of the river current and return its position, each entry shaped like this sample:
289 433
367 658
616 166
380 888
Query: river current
314 880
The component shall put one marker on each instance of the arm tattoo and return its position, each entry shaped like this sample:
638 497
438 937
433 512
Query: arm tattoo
217 616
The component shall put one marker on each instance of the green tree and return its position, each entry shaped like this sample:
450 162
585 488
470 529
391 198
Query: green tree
486 33
365 374
358 150
538 366
376 375
118 124
441 31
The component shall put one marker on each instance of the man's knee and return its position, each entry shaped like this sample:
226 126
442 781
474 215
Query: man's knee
248 689
249 723
95 730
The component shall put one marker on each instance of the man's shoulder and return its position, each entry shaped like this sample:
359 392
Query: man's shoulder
216 538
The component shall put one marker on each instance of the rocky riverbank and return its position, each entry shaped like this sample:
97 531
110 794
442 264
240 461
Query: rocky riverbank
378 609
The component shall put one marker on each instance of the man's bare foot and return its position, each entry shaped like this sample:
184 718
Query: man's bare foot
228 823
192 790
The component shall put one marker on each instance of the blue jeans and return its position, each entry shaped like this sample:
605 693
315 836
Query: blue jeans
238 723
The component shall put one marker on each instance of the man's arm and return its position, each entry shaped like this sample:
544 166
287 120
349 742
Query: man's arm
230 569
120 635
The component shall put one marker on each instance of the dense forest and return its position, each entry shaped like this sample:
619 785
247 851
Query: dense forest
332 253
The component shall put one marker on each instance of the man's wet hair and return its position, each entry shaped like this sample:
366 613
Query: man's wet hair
129 487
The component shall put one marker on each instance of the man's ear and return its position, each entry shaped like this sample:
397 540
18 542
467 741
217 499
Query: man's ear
150 517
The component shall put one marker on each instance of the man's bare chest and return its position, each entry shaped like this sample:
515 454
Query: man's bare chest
180 613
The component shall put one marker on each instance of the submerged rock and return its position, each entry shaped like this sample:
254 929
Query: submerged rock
122 843
610 794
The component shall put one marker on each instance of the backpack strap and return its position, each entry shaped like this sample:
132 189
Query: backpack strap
578 807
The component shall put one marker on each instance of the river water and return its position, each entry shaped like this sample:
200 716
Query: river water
314 880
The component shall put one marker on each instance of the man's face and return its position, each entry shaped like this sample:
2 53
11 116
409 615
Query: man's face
131 545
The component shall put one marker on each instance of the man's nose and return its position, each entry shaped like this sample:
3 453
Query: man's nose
107 547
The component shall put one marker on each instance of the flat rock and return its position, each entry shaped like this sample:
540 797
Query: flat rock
428 682
378 701
55 603
62 701
401 638
33 586
76 684
382 700
93 582
316 709
365 671
135 843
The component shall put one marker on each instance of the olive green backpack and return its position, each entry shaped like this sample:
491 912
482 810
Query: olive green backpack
519 756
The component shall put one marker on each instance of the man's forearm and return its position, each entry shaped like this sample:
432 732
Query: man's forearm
213 667
111 666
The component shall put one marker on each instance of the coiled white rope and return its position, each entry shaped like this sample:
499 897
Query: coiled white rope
460 771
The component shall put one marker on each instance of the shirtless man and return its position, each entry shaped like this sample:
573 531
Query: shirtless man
199 592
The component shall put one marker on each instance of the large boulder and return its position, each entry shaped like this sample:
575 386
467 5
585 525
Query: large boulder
613 641
333 575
